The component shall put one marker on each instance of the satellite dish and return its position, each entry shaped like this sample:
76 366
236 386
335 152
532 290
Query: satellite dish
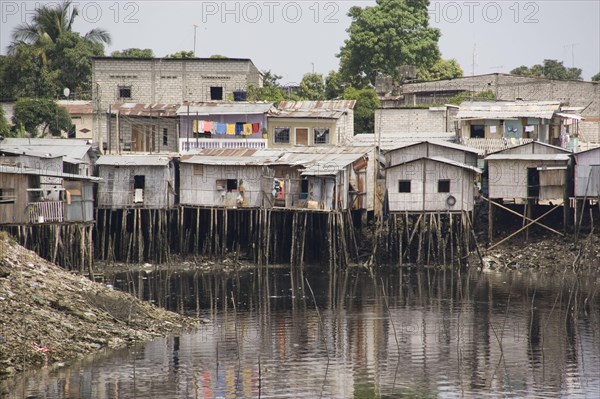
66 92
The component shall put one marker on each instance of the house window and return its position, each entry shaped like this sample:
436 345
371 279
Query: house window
139 182
321 135
404 186
232 185
477 131
443 186
165 136
124 91
7 196
216 93
281 135
198 170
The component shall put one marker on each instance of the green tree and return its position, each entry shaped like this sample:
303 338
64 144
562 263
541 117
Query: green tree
551 69
270 78
364 109
218 56
71 57
4 126
266 93
24 74
182 54
312 87
46 55
386 36
442 69
334 85
41 116
596 77
133 53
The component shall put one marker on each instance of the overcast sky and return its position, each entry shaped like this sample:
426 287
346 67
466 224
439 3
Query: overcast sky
293 37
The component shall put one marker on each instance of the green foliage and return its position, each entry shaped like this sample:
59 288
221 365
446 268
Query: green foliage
270 78
4 126
551 69
364 110
44 115
265 93
442 69
334 85
596 77
182 54
466 96
45 55
312 87
133 53
24 74
218 56
386 36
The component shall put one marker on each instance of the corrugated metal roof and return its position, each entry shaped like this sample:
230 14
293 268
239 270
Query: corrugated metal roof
441 160
147 110
332 109
77 107
390 141
315 160
47 148
45 172
528 157
445 144
533 145
234 108
134 160
238 156
568 116
338 105
505 110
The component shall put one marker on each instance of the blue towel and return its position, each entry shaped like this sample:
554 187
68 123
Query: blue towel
221 128
239 128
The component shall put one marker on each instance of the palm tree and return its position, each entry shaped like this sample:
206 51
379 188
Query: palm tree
47 25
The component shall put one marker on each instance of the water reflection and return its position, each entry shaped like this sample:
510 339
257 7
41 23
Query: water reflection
395 334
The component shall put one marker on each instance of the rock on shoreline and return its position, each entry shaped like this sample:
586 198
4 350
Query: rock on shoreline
50 316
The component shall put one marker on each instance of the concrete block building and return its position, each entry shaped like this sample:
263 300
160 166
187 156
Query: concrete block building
167 81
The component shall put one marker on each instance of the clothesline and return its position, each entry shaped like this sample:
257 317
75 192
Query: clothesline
220 128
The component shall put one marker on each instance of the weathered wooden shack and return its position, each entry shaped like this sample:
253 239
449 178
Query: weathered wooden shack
533 171
587 174
496 125
431 184
136 181
432 149
230 178
24 200
334 178
68 155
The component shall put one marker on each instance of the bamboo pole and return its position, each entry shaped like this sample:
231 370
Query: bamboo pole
524 227
518 214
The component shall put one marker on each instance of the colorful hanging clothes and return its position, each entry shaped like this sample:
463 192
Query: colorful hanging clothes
221 128
230 129
239 128
247 129
255 128
194 126
207 126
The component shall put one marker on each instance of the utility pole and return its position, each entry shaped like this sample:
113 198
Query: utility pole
572 45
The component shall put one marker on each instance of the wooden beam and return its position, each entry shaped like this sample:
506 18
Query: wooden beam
526 227
526 218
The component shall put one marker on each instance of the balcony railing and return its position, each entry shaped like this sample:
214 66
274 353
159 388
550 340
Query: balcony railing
44 212
486 146
185 145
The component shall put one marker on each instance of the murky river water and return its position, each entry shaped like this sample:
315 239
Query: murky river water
396 334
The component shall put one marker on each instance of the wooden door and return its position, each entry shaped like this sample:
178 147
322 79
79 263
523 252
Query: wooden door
301 136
